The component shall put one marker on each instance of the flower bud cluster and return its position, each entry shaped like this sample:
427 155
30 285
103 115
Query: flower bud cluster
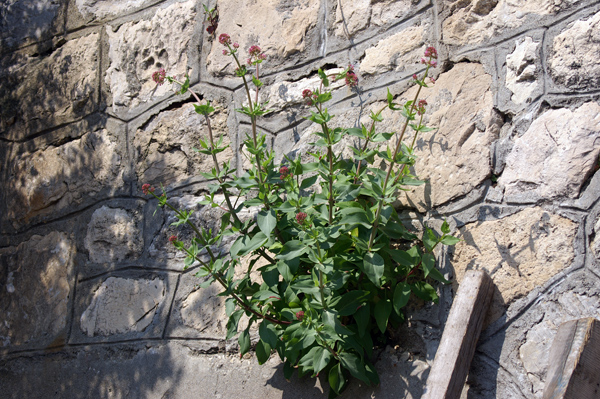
256 55
284 172
309 96
430 57
159 76
147 188
301 217
351 78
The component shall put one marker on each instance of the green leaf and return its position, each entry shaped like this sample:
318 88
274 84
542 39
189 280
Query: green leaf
246 244
330 318
361 317
321 358
436 275
256 81
267 333
244 341
450 240
323 77
288 370
204 109
324 97
185 86
263 352
232 323
308 182
373 266
291 250
353 364
424 291
428 263
356 132
337 381
429 239
445 227
229 306
266 220
382 311
401 296
350 302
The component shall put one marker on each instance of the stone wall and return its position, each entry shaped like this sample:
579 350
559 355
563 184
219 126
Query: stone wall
94 302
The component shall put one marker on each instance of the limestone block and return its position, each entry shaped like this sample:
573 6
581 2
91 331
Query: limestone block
394 53
283 94
281 29
58 178
522 71
477 21
595 243
164 146
35 287
122 305
555 155
352 17
138 49
38 92
534 347
162 251
113 235
100 9
25 21
456 157
520 252
574 55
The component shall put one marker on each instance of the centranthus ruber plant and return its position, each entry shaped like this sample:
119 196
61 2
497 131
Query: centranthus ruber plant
339 265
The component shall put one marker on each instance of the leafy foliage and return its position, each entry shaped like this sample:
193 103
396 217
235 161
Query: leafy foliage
341 266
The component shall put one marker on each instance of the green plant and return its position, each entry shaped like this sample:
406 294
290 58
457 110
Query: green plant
341 266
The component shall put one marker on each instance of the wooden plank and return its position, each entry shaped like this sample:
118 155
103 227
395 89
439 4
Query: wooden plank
574 361
457 347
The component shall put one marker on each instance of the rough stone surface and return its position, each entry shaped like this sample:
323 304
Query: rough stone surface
555 156
113 235
60 177
522 72
595 244
99 9
24 21
352 17
454 158
574 55
164 146
35 287
138 49
520 252
395 52
475 21
39 91
122 305
281 29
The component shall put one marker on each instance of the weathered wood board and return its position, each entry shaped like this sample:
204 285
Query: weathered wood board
574 361
457 347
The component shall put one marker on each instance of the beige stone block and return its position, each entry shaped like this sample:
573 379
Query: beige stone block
122 305
38 92
574 55
555 156
138 49
36 282
394 53
520 252
164 147
280 29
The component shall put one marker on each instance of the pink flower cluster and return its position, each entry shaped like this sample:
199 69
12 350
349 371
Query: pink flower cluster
173 238
256 55
351 78
301 217
159 76
147 188
309 96
224 39
284 172
421 107
300 315
431 55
